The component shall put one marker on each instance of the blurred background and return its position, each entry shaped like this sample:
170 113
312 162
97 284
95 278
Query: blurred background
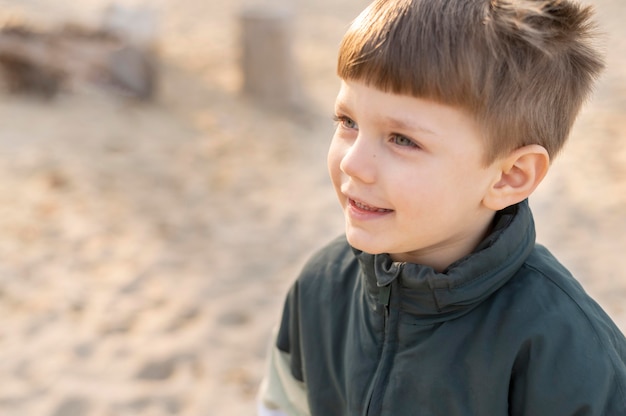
153 214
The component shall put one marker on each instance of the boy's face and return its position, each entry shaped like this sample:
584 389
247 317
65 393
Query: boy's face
410 176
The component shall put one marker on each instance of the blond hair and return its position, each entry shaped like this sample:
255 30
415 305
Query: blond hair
522 68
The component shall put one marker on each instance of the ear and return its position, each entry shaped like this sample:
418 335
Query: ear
519 174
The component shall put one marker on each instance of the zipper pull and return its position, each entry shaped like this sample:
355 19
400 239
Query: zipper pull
384 294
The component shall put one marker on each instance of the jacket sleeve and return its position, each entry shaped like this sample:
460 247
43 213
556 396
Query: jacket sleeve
280 391
264 411
283 386
572 367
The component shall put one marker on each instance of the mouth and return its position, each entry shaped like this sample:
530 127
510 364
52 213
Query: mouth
364 207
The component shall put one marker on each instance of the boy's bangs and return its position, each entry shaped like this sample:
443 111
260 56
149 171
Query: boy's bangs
413 58
397 74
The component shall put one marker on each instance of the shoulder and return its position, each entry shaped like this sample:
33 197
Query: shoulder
333 261
318 292
325 281
561 331
545 289
554 287
563 315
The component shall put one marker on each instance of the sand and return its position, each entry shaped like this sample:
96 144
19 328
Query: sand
145 249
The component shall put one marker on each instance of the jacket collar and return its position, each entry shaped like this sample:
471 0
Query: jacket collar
454 292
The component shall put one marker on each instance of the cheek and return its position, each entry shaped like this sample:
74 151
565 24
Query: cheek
333 161
472 185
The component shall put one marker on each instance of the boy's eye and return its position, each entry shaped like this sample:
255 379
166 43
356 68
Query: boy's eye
403 141
346 122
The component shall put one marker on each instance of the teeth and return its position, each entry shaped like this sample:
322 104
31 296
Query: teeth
368 208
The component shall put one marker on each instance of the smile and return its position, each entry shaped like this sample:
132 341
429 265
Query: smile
365 207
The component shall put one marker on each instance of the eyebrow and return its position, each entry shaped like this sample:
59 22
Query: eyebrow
340 107
394 123
400 124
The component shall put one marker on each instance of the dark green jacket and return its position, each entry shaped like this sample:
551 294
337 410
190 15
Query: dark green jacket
505 331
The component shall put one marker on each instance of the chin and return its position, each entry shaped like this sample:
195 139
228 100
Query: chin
363 243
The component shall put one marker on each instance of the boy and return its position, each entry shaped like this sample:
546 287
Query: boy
437 301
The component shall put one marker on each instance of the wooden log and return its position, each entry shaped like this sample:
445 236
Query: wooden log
43 62
267 62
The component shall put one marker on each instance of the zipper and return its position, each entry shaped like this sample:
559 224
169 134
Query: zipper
374 402
384 295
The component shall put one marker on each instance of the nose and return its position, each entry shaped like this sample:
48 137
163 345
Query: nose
359 160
